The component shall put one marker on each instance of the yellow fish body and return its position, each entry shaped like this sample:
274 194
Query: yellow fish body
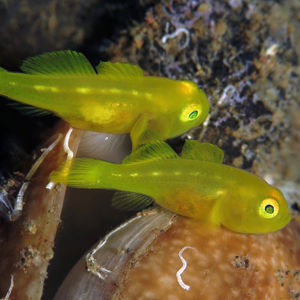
115 98
196 185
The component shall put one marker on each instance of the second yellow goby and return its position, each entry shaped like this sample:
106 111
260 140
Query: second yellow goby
196 185
115 98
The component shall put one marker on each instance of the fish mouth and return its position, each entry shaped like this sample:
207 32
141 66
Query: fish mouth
285 220
288 218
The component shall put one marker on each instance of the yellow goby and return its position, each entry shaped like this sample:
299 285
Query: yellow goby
196 185
115 98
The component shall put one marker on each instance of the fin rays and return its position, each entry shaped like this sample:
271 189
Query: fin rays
59 62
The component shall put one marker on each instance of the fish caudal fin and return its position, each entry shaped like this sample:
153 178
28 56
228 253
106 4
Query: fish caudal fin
61 175
80 172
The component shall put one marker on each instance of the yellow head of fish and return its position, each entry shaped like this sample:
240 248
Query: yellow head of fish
254 207
180 106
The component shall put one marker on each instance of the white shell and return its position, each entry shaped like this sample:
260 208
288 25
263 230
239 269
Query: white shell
117 252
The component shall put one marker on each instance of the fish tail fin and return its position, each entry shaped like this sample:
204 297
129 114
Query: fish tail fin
80 172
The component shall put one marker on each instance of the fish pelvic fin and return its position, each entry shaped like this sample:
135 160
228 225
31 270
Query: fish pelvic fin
30 110
130 201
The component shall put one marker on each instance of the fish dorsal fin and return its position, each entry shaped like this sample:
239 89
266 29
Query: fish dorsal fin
151 152
118 70
202 151
59 62
130 201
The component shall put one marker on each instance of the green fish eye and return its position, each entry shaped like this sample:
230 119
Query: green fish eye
269 209
193 115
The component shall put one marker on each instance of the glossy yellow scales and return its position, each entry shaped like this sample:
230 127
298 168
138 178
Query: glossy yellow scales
114 98
196 185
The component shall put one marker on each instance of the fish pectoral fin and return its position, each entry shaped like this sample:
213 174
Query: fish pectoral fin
58 62
153 150
140 133
130 201
202 151
118 70
29 110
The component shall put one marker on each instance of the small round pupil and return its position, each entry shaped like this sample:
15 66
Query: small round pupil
193 115
269 209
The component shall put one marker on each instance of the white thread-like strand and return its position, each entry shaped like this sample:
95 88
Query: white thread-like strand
90 259
67 149
18 208
70 155
230 89
176 33
181 270
10 289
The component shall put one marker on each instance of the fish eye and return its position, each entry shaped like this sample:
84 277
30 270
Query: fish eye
193 115
269 208
190 112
